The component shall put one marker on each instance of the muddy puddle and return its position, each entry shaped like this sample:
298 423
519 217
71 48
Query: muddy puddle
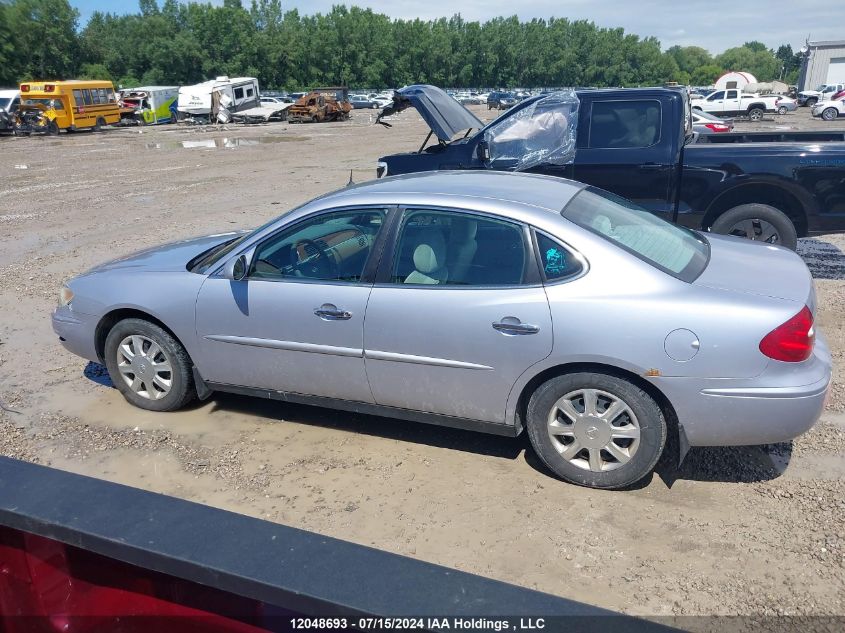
223 143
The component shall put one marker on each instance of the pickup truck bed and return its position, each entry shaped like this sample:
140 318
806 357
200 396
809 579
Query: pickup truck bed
773 137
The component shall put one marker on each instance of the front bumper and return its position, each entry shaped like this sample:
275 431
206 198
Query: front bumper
76 332
773 407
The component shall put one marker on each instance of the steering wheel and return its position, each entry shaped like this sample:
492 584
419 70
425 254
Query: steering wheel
318 264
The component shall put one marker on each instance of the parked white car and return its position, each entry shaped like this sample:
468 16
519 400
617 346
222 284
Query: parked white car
737 103
829 110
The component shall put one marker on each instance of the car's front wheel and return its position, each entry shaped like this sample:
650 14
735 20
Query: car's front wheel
148 366
830 114
596 430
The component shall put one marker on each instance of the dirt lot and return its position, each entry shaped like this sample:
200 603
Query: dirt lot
735 531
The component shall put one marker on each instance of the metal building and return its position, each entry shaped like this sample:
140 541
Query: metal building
824 63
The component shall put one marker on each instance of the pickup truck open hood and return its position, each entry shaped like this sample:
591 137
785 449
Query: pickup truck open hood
742 265
443 114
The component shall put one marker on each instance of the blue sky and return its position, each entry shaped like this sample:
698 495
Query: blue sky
713 24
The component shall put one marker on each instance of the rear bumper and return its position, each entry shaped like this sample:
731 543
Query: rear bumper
727 412
76 332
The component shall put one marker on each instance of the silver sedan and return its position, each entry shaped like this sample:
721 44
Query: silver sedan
489 301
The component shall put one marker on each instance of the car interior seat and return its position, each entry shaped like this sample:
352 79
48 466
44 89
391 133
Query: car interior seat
429 259
462 247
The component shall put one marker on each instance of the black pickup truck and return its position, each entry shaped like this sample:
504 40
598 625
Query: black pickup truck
638 144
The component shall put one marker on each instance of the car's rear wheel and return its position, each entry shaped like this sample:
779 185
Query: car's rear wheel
596 430
783 110
758 222
830 114
148 366
756 114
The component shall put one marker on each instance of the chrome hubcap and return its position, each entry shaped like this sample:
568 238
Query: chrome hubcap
756 229
594 430
144 367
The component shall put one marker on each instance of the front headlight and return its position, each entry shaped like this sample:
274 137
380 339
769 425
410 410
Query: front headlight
65 296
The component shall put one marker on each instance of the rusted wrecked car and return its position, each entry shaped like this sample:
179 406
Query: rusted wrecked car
321 104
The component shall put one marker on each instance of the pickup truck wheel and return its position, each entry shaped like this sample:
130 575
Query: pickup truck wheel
811 102
830 114
596 430
756 114
759 222
148 366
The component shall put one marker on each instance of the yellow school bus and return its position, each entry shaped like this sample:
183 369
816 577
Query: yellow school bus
74 105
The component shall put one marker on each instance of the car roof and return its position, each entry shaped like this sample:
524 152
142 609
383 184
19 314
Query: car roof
464 186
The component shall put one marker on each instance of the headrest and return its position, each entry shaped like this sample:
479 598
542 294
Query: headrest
430 255
463 230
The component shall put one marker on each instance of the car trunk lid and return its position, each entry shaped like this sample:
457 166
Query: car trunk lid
741 265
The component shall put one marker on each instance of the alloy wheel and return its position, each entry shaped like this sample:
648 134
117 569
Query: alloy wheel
756 229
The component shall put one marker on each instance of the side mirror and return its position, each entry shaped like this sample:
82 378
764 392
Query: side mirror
236 268
483 151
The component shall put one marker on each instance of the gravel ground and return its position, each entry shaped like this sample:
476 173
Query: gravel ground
749 531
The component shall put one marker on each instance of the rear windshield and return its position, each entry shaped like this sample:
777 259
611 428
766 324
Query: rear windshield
673 249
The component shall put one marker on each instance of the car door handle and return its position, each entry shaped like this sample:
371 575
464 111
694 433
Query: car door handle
649 166
511 326
330 312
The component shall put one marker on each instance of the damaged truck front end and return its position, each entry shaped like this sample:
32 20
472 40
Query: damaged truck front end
542 130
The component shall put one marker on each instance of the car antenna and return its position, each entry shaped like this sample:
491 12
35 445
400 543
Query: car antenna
351 182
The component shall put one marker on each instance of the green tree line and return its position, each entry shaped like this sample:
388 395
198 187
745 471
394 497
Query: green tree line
183 43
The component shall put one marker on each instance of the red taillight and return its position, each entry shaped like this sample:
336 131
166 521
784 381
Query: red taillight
793 341
24 87
717 127
49 88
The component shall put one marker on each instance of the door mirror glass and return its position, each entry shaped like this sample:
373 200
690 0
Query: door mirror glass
236 268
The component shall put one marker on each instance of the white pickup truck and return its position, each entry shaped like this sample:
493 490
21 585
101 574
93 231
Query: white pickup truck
737 103
824 92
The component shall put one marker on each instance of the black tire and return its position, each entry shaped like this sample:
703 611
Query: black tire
52 128
182 390
782 110
830 114
811 102
100 124
756 114
652 425
757 214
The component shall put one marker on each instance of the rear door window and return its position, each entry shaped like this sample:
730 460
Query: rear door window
239 93
625 124
446 248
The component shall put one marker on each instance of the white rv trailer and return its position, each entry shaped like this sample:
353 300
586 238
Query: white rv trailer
198 101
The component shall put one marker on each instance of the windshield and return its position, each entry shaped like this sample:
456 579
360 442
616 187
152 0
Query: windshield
673 249
5 103
50 103
204 262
